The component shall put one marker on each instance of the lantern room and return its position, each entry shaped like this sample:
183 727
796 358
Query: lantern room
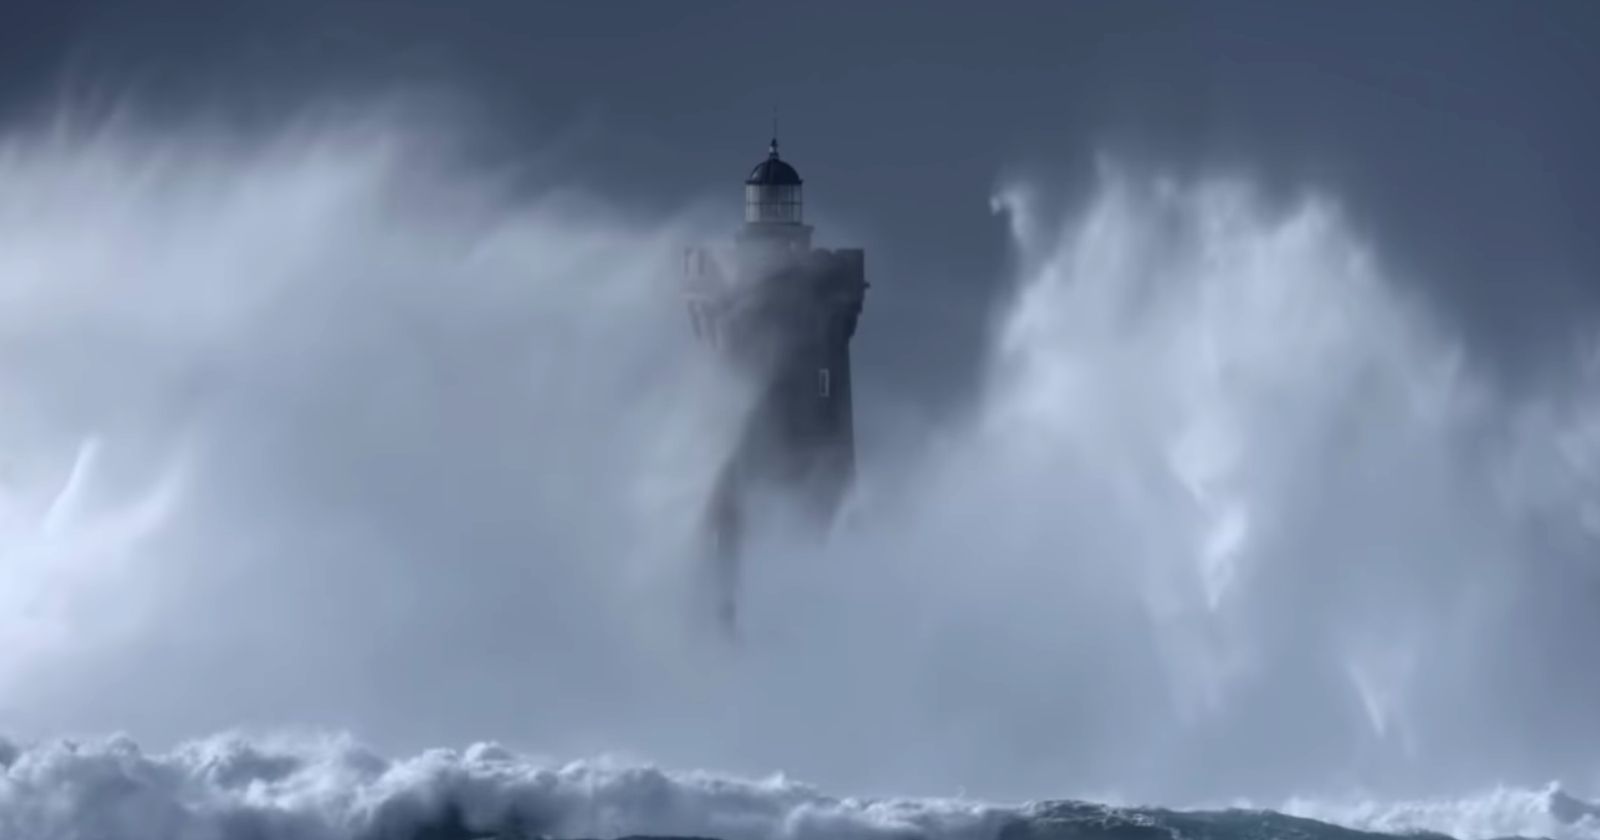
772 192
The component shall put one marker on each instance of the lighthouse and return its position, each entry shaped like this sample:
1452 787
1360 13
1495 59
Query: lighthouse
780 313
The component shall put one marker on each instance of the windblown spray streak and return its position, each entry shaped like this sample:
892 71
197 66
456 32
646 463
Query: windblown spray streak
384 447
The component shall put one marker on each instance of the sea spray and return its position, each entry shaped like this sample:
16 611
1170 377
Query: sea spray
1232 514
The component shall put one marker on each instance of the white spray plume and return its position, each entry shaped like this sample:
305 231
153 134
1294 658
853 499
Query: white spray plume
379 445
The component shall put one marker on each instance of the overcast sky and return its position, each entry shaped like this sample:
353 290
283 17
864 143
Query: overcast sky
1458 135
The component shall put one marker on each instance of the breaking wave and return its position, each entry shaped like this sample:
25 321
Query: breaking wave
335 429
330 787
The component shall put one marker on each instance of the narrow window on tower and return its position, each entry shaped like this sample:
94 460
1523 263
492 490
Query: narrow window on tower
824 386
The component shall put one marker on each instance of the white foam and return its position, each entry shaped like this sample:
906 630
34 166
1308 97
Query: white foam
1497 812
233 788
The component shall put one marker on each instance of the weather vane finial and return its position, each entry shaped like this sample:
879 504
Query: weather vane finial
772 150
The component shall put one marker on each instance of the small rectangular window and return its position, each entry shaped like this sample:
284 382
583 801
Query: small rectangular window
824 385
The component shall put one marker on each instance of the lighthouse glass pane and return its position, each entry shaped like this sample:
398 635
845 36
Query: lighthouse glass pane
772 203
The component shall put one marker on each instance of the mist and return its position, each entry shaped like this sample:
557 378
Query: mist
332 430
341 423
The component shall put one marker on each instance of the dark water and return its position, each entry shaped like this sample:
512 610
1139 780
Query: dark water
1063 820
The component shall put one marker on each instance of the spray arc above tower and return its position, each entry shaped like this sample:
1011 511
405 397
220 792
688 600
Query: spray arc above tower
781 314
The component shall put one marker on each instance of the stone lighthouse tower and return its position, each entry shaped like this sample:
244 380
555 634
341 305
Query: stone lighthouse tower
781 313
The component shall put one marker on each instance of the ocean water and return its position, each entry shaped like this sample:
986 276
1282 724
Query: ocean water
333 429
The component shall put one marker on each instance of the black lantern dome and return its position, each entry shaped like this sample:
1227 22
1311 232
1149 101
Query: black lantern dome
773 172
772 192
